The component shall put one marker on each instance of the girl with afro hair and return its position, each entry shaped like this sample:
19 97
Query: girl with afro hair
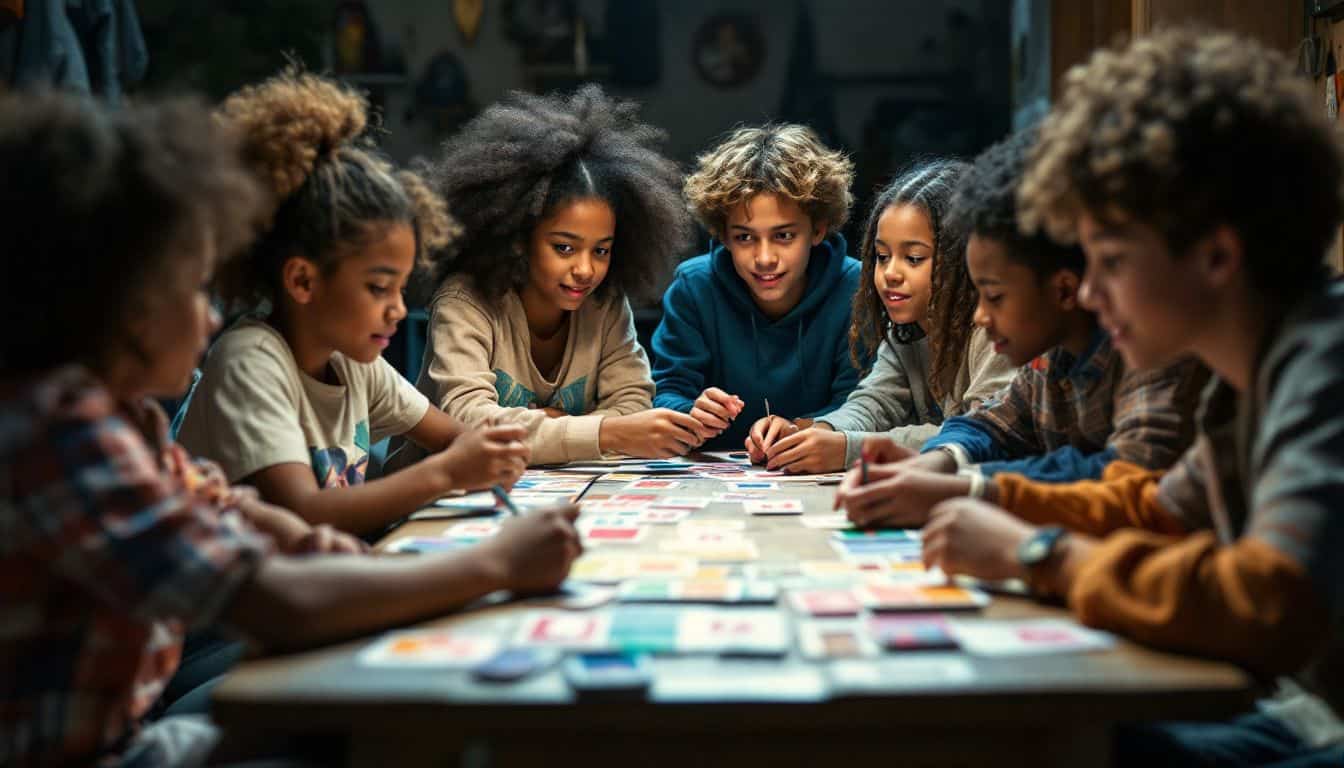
293 395
914 309
566 208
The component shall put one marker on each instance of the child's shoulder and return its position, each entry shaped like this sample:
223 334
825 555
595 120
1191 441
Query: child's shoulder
1310 340
248 336
459 291
695 269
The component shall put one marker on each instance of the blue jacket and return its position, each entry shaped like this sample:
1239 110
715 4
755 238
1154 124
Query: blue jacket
714 335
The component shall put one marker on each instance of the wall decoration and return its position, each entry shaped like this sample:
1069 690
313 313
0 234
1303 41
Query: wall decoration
467 14
728 49
544 29
357 45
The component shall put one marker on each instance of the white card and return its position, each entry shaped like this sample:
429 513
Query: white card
988 637
773 507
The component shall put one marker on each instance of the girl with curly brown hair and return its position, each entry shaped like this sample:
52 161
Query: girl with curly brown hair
292 397
762 316
567 207
913 308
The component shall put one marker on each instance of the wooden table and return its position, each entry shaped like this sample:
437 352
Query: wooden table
910 709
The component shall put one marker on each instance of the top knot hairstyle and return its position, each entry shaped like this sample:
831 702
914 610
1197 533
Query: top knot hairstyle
788 160
103 206
1187 130
928 186
986 205
303 138
523 157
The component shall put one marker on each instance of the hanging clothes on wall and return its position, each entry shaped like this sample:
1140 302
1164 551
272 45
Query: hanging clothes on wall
90 46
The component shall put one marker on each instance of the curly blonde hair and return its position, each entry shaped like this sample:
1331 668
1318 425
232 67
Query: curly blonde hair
1186 130
788 160
304 138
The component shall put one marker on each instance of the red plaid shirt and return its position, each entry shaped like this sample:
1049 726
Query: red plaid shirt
106 558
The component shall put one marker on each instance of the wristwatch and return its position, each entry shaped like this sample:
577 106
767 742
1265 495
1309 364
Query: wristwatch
1040 546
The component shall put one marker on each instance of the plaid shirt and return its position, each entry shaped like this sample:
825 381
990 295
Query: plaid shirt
105 559
1066 418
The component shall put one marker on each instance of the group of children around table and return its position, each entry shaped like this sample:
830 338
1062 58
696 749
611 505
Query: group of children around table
1105 357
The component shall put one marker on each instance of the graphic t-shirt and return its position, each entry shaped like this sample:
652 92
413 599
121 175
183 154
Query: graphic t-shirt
255 409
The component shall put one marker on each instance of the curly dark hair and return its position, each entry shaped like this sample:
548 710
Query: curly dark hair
929 186
103 205
986 205
303 137
523 157
787 159
1188 129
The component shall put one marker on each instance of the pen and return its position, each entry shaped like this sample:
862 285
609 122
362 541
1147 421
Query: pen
504 499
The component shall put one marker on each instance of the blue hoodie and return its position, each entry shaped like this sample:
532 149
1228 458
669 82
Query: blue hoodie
714 335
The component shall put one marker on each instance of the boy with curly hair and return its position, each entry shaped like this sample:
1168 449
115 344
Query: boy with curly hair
764 315
117 541
1073 407
293 395
567 208
1234 553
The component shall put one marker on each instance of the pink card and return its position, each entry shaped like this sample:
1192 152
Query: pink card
825 602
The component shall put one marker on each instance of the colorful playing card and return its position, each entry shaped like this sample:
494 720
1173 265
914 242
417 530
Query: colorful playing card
825 602
837 521
474 530
1028 637
626 534
746 632
833 640
725 552
430 648
912 632
654 484
880 534
773 507
636 498
426 545
656 516
907 597
680 502
606 568
644 629
481 500
754 485
564 630
711 523
736 496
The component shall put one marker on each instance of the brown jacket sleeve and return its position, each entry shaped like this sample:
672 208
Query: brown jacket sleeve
1246 602
1125 497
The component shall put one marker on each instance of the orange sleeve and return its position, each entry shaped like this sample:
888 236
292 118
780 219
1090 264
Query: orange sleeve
1246 602
1125 497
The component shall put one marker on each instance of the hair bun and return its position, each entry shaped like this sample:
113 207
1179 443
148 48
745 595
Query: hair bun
291 121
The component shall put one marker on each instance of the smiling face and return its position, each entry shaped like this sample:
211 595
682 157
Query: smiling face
355 309
1150 303
569 255
903 274
1021 312
770 239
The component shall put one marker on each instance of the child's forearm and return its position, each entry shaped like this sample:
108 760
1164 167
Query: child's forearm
290 603
360 509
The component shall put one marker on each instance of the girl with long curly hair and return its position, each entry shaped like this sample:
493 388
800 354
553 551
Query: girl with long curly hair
913 309
761 316
567 208
293 395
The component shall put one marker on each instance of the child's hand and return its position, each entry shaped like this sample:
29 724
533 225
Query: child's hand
810 450
763 435
715 409
553 413
654 434
534 552
486 457
896 495
884 450
974 538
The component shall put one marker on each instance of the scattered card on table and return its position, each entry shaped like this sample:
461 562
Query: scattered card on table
654 484
837 521
833 640
912 632
564 630
754 485
658 516
773 507
825 602
680 502
1028 637
429 648
909 597
626 534
741 632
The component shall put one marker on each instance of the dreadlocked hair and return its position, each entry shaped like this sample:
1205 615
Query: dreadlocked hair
329 189
929 186
526 156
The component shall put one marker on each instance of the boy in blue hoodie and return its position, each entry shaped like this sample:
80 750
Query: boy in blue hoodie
765 314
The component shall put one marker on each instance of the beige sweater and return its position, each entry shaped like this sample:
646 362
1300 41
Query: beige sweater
478 366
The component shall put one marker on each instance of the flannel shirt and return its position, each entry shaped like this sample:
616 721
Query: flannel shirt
106 558
1065 418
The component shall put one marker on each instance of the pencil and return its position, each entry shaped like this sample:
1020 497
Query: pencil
863 470
767 407
504 499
